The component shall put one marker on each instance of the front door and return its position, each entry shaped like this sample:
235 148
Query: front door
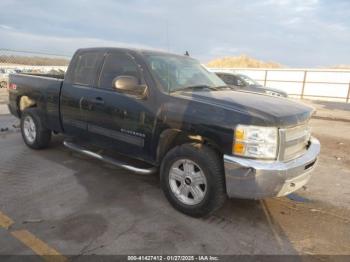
117 120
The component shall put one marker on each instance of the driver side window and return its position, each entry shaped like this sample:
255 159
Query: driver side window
117 65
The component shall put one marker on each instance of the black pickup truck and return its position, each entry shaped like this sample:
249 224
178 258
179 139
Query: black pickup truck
147 111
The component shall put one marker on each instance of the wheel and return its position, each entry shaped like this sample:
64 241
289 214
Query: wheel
3 84
192 178
34 133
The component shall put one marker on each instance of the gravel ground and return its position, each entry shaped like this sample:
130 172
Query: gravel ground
82 206
330 110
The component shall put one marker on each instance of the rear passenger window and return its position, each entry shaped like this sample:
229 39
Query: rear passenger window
117 65
86 68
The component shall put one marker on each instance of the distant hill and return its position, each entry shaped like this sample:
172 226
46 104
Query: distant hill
340 67
242 61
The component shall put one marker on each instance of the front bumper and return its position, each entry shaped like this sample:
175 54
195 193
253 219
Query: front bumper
256 179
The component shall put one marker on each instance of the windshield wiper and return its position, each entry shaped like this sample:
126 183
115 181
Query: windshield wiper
196 87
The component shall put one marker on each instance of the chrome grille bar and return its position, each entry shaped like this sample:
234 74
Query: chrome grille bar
293 142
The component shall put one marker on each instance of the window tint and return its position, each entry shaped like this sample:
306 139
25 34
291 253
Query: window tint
117 65
235 81
86 68
232 80
240 82
228 79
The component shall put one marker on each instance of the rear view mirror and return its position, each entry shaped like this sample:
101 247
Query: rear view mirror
129 85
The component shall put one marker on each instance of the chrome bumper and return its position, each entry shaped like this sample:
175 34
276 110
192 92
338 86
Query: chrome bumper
256 179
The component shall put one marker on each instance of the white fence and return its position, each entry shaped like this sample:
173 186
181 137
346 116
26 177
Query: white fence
332 85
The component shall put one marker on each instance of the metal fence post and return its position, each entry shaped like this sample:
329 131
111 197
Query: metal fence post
348 96
265 77
303 88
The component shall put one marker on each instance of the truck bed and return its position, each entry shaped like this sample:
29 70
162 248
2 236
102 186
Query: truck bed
44 90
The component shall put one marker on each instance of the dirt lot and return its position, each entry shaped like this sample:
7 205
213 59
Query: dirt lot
76 205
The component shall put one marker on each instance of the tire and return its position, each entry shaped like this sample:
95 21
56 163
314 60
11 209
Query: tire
206 162
30 120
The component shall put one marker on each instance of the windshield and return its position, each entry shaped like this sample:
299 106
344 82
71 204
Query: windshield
176 72
249 81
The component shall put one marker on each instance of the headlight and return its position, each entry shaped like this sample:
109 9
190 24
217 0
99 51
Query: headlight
256 141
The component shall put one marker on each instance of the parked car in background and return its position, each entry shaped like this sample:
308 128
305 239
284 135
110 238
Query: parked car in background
246 83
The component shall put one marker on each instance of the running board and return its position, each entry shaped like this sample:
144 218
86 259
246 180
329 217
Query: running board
109 160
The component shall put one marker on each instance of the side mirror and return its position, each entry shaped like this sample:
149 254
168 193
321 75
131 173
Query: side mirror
129 85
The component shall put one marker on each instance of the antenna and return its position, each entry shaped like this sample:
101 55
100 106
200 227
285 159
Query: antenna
167 35
168 47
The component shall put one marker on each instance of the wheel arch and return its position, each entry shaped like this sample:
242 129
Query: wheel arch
171 138
24 102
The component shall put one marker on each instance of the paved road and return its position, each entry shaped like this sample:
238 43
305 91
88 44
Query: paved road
75 205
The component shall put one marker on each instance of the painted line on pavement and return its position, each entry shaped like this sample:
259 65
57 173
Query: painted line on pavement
5 221
39 247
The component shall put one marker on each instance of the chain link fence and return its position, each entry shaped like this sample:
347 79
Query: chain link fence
15 61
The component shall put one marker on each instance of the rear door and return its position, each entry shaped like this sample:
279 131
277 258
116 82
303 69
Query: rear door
82 78
117 120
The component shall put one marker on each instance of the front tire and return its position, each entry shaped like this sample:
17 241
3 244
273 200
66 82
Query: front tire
34 133
192 178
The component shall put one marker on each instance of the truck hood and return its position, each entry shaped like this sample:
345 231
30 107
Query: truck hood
257 108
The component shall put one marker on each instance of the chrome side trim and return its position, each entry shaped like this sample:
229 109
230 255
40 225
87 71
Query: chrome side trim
109 160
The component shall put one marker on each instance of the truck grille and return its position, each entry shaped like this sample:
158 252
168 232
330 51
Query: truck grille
293 142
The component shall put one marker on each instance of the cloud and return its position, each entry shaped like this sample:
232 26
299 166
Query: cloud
297 5
293 21
6 27
337 27
291 32
58 45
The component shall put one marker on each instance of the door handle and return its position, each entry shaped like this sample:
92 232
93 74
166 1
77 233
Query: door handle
98 100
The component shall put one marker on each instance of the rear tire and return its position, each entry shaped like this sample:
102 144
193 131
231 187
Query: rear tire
34 133
192 179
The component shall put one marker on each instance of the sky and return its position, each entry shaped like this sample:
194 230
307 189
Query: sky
295 33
